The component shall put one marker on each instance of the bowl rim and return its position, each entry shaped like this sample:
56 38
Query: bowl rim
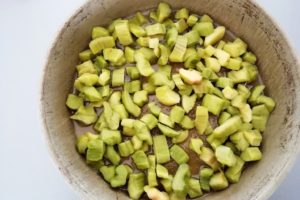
271 186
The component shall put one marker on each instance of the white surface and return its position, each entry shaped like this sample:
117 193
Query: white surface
27 29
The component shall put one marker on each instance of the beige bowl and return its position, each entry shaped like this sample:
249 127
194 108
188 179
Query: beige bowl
278 66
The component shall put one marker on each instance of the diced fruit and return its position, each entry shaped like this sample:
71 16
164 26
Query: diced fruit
218 181
251 154
225 156
161 149
167 96
136 185
190 76
178 154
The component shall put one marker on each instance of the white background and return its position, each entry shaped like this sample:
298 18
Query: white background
27 28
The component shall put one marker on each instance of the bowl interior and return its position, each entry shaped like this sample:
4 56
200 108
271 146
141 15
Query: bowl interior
278 67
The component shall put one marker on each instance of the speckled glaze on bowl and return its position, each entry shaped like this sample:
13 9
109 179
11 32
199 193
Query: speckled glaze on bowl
278 67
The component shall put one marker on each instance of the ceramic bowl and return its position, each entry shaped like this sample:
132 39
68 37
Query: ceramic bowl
278 67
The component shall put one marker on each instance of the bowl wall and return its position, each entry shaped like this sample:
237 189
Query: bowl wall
278 67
